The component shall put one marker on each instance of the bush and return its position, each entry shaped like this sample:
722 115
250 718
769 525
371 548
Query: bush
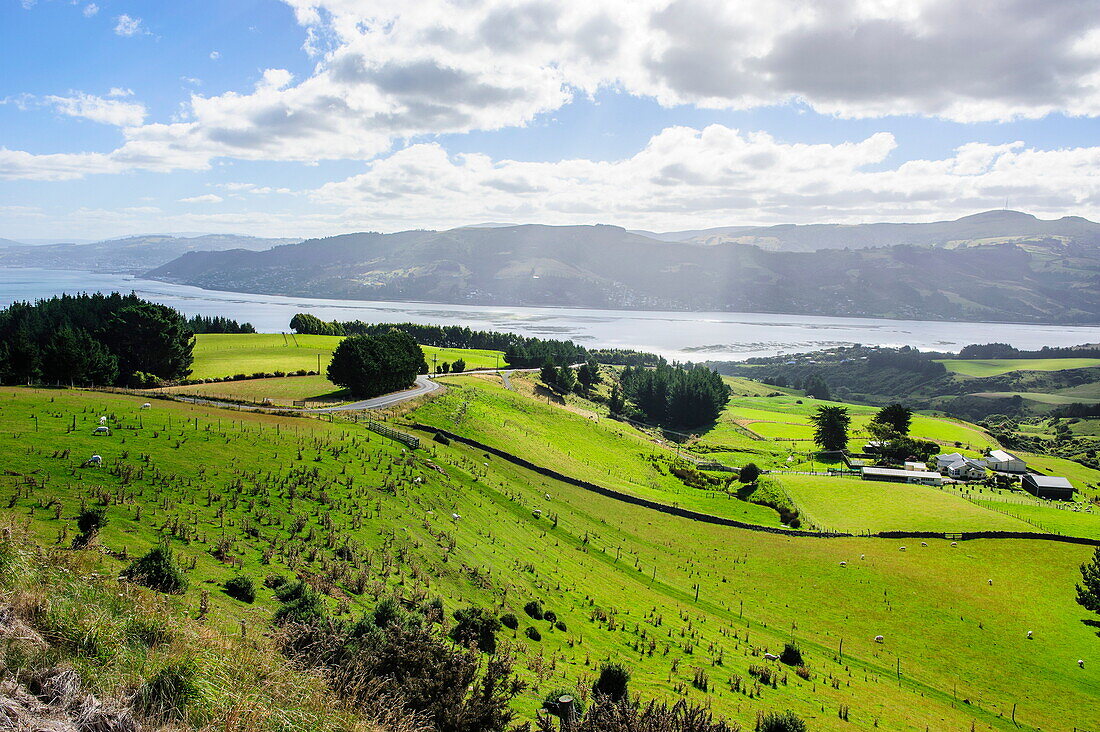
169 692
534 609
560 625
476 626
508 620
274 581
749 473
301 604
613 681
776 722
549 616
441 438
241 588
158 571
550 702
89 523
533 633
791 655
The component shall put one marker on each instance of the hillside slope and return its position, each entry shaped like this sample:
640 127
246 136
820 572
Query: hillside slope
608 267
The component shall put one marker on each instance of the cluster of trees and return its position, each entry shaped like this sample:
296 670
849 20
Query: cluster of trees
312 325
1004 350
565 379
889 427
371 365
674 395
217 324
93 339
625 357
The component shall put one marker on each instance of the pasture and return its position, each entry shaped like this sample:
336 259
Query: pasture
221 354
663 595
997 366
282 390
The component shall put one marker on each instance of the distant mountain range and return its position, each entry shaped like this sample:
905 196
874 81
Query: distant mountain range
998 265
131 255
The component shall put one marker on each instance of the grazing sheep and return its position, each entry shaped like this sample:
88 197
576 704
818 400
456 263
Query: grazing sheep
770 657
843 564
548 496
990 582
537 512
879 639
455 516
94 460
1081 662
1029 635
103 420
861 556
924 543
146 405
954 543
901 549
101 431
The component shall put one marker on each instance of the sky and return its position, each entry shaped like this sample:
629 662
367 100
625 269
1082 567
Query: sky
305 118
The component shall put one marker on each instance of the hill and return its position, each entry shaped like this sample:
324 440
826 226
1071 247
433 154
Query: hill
131 255
1052 281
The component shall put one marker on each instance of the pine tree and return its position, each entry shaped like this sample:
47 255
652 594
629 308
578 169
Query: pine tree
1088 592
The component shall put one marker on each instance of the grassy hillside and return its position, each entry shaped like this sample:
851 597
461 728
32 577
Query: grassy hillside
998 366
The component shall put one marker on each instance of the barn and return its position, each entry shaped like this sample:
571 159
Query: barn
1048 486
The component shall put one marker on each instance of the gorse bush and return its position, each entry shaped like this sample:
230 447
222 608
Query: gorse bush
624 715
533 633
534 609
791 655
300 604
158 570
169 692
241 588
476 626
508 620
779 722
613 681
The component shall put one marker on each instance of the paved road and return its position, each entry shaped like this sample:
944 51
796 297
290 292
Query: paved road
424 385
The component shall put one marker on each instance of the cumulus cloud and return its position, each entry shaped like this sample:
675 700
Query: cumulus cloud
391 70
126 26
686 178
98 109
204 198
214 55
90 9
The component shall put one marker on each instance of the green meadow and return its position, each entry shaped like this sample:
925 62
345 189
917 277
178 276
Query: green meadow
998 366
670 598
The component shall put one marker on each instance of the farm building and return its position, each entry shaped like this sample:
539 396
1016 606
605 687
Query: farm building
1005 462
966 469
942 461
895 475
1048 486
915 465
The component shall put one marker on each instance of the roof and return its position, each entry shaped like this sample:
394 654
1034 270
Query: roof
1002 457
1049 481
951 457
898 473
966 463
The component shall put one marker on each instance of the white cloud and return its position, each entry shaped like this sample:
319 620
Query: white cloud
688 178
98 109
214 55
204 198
117 91
90 9
127 26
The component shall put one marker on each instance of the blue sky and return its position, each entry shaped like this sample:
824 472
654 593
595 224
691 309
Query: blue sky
315 117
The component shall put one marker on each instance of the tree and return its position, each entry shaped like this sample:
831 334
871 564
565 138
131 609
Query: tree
1088 592
549 375
458 366
615 402
588 374
749 473
613 681
567 379
476 626
815 387
896 416
831 427
369 366
89 522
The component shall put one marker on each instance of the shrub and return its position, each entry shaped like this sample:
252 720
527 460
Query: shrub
749 473
158 570
560 625
533 633
803 672
791 655
278 373
534 609
476 626
301 604
241 588
549 616
274 581
613 681
550 702
169 692
441 438
508 620
89 523
700 680
777 722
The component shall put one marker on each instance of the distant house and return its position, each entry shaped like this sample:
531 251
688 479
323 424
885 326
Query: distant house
894 475
915 465
1048 486
942 461
1005 462
966 469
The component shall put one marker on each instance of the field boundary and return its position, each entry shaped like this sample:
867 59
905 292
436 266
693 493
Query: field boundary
733 523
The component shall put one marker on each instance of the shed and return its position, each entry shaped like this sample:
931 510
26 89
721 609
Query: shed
894 475
1048 486
915 465
1005 462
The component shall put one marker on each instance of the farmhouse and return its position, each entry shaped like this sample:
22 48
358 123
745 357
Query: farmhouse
966 469
1005 462
894 475
1048 486
942 461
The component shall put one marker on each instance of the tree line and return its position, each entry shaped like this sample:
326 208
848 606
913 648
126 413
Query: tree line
1004 350
217 324
519 351
93 339
675 395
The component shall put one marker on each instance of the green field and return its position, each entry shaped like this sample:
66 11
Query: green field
279 390
998 366
855 506
1036 397
953 618
219 354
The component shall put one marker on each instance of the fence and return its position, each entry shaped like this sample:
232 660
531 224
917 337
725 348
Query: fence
386 431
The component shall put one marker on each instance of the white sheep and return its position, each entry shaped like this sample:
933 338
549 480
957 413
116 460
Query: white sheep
901 549
954 543
94 460
843 564
770 657
146 405
1029 635
924 543
879 639
103 420
101 431
548 496
991 582
1081 662
861 556
455 516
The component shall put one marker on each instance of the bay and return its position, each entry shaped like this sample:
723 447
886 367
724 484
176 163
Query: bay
675 335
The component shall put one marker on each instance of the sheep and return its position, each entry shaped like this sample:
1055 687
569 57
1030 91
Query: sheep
1081 662
94 460
879 639
548 497
146 405
861 556
901 549
770 657
843 564
1029 635
101 431
103 420
954 543
455 516
991 582
924 543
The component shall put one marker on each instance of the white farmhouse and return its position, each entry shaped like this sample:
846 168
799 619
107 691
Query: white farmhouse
1005 462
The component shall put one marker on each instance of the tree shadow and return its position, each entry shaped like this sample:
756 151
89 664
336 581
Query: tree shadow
1092 624
545 393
